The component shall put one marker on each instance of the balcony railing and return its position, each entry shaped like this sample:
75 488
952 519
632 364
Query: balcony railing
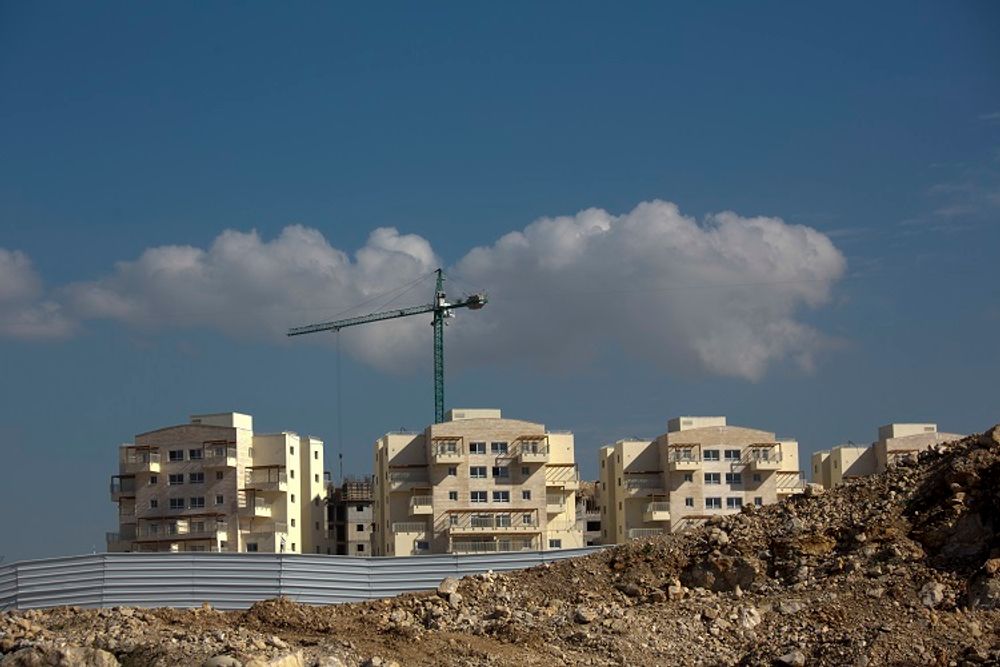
636 483
421 505
657 511
533 451
252 505
220 456
122 487
763 458
402 479
409 527
494 522
644 533
447 451
266 479
555 503
684 459
482 547
207 531
139 460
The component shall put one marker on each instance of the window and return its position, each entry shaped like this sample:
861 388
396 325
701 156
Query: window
423 545
758 501
293 546
478 496
153 503
153 479
526 495
359 528
689 477
527 519
219 474
293 523
196 478
453 519
176 503
197 502
316 526
195 454
525 471
293 497
498 447
360 548
452 471
316 455
477 447
501 496
713 503
756 477
689 502
291 450
501 472
713 478
734 478
732 455
175 480
477 472
361 508
176 455
220 500
316 478
711 454
291 474
555 544
453 495
734 503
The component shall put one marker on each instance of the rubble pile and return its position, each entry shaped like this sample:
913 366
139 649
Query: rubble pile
898 568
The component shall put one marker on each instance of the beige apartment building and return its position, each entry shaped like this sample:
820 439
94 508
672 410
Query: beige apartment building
896 442
700 468
351 516
214 485
476 483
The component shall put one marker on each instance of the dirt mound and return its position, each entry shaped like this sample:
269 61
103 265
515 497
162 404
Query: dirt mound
898 568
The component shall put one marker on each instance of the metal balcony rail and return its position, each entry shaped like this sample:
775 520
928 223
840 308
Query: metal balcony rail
683 456
208 530
479 547
658 507
643 483
220 452
259 477
642 533
554 499
539 447
447 447
409 527
140 456
403 476
122 485
421 500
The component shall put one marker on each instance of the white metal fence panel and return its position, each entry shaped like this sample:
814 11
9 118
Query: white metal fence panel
236 581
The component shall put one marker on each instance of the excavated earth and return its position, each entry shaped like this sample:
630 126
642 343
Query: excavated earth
901 568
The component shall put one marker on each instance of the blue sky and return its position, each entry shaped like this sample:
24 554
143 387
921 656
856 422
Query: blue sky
126 127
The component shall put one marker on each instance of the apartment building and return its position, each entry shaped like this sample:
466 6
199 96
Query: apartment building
588 512
351 516
214 485
896 442
475 483
701 467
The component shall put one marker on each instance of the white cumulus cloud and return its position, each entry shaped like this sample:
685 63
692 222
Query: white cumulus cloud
24 313
722 296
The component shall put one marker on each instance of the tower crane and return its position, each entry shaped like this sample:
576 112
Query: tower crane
441 309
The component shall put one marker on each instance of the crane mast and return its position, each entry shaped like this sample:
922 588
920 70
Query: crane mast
441 310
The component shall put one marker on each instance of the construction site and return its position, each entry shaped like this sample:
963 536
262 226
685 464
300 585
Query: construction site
901 567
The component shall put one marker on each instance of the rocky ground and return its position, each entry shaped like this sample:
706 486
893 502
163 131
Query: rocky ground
901 568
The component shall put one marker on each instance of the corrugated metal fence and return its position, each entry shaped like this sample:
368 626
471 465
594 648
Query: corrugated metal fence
237 580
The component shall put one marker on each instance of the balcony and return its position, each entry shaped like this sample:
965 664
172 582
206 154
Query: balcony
684 460
764 459
533 451
421 505
490 522
272 479
219 456
790 483
407 480
648 485
174 532
645 533
555 503
253 506
134 460
492 546
122 487
566 477
447 451
656 511
409 527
